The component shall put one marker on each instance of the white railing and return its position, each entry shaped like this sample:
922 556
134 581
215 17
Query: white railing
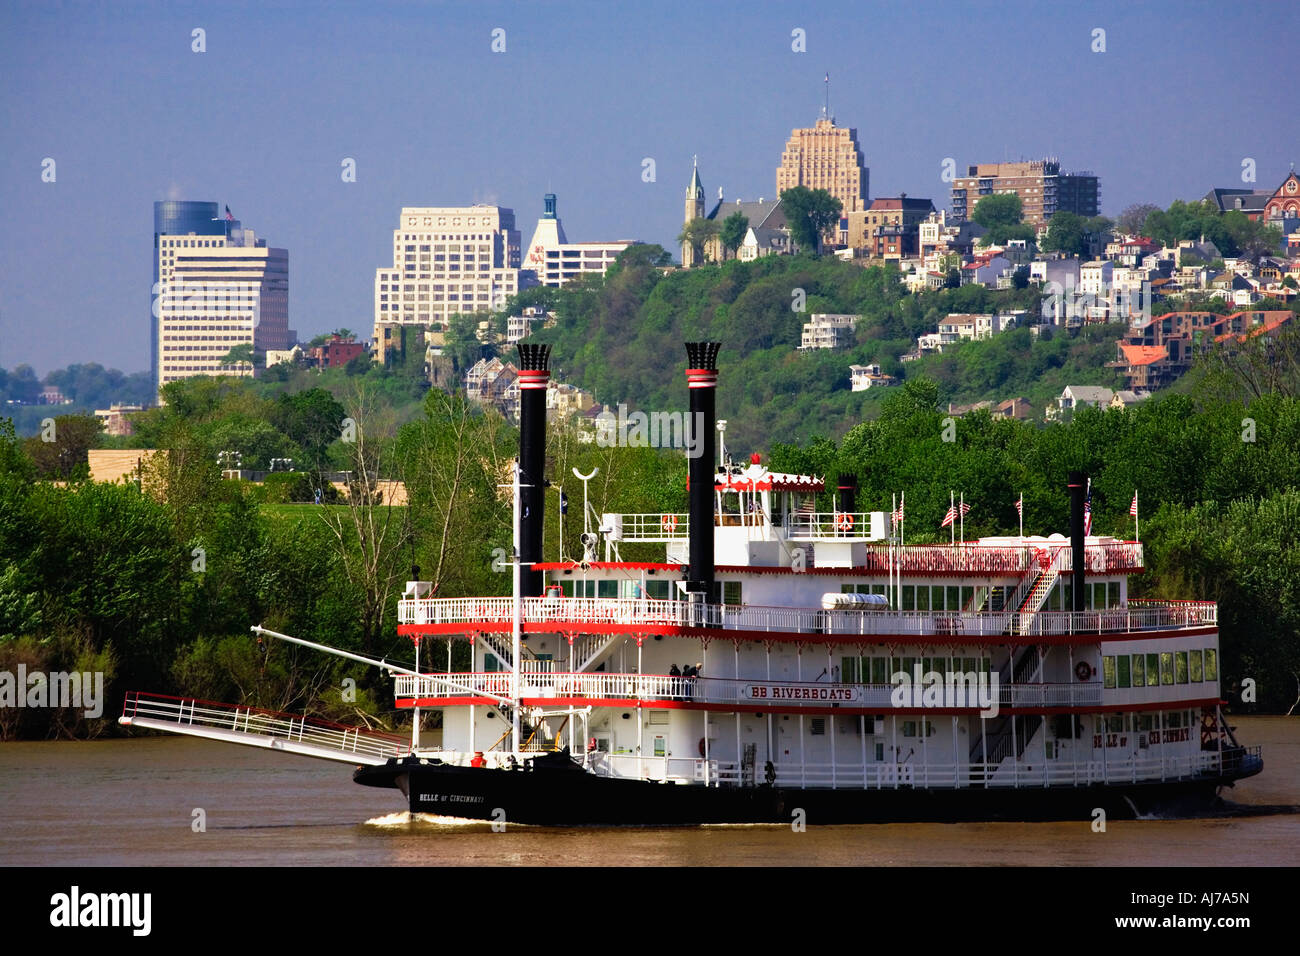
652 527
854 526
573 613
190 712
716 690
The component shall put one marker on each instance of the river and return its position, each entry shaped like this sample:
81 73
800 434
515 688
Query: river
133 802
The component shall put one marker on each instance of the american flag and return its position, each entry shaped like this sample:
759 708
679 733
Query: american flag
965 509
950 517
1133 508
1020 506
1087 511
229 216
898 515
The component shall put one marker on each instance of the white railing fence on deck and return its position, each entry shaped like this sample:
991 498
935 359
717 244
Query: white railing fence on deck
651 612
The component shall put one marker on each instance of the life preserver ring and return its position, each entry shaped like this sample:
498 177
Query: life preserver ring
668 523
701 746
1083 670
844 522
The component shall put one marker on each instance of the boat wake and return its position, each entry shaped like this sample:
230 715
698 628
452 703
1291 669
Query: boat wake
405 818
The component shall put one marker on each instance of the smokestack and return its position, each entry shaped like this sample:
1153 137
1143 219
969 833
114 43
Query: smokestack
702 384
1077 483
534 376
848 493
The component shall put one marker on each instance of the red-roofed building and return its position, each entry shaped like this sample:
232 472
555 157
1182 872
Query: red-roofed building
1157 351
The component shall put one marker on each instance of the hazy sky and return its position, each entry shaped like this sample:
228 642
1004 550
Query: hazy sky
583 93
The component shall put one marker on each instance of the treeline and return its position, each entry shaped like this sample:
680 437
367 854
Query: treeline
155 582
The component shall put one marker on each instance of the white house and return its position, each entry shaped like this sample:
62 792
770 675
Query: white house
864 377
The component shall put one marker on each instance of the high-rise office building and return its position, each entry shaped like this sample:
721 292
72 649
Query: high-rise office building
445 260
216 286
826 157
1042 188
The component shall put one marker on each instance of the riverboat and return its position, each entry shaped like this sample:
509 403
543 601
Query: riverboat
788 663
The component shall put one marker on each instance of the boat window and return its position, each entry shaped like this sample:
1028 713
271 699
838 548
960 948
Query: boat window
1211 664
923 598
1153 670
909 728
1122 670
1139 670
1144 722
909 597
880 670
953 600
880 752
1108 672
731 592
1112 594
1180 666
1166 667
607 589
660 749
1114 723
1194 666
967 595
658 590
818 726
849 670
1174 719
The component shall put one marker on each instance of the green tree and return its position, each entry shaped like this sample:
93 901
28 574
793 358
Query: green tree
810 213
1065 233
241 355
733 231
66 457
1002 209
697 234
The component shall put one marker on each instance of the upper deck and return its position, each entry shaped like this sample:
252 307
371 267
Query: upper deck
748 622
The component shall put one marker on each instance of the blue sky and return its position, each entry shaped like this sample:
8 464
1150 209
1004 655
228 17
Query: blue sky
583 93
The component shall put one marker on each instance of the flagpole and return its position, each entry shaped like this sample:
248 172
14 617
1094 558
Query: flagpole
893 535
961 511
1021 509
1137 533
952 525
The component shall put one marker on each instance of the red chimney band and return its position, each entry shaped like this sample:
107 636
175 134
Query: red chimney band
534 378
701 378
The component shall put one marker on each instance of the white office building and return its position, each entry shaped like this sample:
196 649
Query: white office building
553 260
215 292
445 260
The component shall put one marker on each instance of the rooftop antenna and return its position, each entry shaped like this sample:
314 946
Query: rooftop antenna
826 109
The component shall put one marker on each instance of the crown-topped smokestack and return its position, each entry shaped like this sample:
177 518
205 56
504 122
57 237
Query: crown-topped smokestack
534 377
702 383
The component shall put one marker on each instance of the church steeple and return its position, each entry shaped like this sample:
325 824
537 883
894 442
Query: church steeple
694 209
695 193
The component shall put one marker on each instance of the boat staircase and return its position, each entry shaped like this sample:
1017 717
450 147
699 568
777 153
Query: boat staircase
232 723
1025 666
587 649
1038 585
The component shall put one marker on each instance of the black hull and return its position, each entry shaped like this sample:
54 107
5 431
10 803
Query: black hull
571 797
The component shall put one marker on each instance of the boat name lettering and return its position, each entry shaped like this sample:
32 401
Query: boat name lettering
814 692
448 798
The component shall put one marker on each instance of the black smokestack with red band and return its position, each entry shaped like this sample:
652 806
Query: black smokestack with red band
1078 483
702 384
534 376
848 493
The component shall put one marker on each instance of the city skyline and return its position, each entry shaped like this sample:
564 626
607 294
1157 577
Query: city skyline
578 99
